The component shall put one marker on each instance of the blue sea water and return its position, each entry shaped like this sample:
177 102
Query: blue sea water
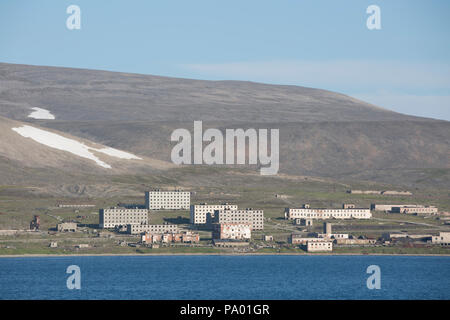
226 277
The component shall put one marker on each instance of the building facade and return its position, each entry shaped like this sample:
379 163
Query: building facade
116 217
296 238
152 228
184 237
234 231
66 227
415 210
443 239
199 212
319 246
312 213
167 200
252 216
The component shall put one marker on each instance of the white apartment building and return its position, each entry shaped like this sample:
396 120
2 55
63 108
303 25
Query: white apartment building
152 228
443 239
319 246
115 217
167 200
252 216
323 213
234 231
199 212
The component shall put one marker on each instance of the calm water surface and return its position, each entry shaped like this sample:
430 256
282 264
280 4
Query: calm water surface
225 277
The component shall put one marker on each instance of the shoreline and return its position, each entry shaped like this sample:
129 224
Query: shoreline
218 254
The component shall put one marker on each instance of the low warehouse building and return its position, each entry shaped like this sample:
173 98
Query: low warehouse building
67 227
319 246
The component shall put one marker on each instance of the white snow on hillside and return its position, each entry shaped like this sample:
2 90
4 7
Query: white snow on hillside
59 142
118 154
41 114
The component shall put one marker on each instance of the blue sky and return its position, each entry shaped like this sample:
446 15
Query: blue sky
405 66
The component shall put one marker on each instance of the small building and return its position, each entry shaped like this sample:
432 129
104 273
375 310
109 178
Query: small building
443 239
66 227
348 206
319 246
267 238
53 244
81 246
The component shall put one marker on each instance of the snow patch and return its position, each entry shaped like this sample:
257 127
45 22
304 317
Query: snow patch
59 142
118 154
41 114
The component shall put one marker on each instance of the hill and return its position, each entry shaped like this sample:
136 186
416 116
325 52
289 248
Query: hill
322 133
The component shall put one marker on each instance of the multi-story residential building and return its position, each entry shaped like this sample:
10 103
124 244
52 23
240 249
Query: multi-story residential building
252 216
199 212
234 231
116 217
443 239
151 228
167 200
327 213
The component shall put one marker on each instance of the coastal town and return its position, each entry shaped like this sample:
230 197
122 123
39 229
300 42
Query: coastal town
228 227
